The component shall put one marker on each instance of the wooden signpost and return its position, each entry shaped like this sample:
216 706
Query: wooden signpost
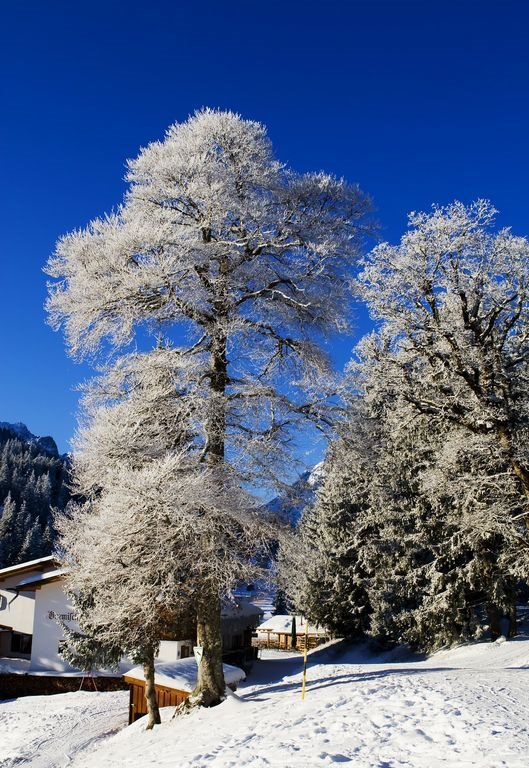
304 683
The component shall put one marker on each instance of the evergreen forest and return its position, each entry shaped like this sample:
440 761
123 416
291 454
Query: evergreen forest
32 484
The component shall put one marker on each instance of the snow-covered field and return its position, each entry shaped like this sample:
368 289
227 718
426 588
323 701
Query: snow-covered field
463 707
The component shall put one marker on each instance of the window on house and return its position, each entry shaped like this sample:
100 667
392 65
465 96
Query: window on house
21 643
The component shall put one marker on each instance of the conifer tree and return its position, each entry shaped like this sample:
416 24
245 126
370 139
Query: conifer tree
8 543
34 480
434 457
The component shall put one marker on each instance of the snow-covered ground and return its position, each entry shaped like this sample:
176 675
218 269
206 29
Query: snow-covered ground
463 707
47 731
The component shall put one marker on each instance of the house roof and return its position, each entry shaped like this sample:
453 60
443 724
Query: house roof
31 565
282 624
240 607
32 582
181 675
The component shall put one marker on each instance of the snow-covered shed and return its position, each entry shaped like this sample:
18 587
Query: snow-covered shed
276 632
173 683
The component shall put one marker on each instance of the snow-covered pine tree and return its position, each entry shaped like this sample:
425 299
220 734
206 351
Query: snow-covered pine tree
248 264
384 552
424 588
9 543
441 531
32 482
332 587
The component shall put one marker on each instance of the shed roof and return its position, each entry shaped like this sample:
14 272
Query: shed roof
181 675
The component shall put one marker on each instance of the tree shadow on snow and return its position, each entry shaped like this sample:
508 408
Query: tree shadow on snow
329 682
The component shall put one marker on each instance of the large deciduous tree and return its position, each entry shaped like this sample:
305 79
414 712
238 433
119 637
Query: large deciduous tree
452 301
245 265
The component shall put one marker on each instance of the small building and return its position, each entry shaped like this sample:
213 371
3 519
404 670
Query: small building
276 632
173 683
239 620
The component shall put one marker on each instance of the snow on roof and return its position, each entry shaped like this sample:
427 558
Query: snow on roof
30 565
40 578
182 675
283 623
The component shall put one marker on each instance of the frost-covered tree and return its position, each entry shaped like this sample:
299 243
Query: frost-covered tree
246 265
439 533
331 584
125 545
135 572
452 304
130 569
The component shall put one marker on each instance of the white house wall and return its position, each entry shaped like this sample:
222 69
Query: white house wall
16 611
50 602
171 650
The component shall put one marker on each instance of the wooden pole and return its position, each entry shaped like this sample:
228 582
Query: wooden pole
304 683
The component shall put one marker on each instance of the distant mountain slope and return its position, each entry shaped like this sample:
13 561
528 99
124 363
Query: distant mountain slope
46 444
32 483
290 505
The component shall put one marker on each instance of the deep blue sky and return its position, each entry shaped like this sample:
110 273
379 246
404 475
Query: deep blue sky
418 101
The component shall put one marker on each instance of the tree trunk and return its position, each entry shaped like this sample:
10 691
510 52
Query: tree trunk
512 630
209 690
521 472
512 619
493 615
150 692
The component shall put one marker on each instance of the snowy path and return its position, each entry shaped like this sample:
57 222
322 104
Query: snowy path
459 709
47 731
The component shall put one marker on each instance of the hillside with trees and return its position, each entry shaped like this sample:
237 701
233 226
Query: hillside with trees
32 484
